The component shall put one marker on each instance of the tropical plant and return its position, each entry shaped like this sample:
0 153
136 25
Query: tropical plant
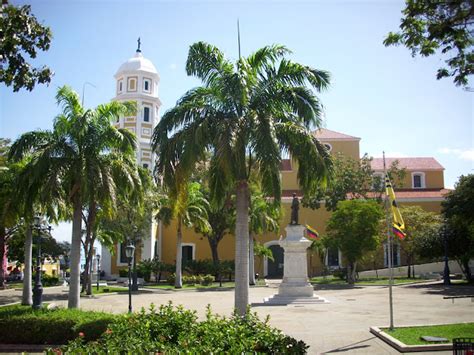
244 116
77 155
353 228
189 206
264 217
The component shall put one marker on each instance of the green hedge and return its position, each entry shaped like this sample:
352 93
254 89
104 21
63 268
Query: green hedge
23 325
174 330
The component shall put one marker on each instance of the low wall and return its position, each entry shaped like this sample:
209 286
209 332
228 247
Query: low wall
419 269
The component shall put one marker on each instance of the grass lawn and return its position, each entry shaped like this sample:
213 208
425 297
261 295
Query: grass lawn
331 280
412 335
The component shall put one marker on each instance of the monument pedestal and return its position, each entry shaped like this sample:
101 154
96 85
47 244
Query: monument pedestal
295 286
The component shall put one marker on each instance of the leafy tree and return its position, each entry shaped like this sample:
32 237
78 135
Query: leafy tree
262 251
21 34
418 223
244 116
67 162
353 179
353 228
4 147
458 209
429 26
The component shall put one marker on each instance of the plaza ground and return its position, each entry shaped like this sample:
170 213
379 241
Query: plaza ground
342 326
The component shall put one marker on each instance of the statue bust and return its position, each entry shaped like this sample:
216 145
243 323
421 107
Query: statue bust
295 206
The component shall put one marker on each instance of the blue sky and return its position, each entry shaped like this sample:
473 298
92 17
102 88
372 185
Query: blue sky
383 95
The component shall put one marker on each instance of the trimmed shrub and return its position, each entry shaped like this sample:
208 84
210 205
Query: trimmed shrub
23 325
175 330
207 280
123 272
171 279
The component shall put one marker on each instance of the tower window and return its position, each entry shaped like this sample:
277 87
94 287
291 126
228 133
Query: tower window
145 165
132 84
146 114
120 86
147 85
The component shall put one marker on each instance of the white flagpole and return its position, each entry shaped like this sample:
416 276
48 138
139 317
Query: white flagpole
389 248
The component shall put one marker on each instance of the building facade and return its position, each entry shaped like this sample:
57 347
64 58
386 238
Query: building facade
423 186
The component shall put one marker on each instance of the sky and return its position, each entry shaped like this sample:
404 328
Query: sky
389 99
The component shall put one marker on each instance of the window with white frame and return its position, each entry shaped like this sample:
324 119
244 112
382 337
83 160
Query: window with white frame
132 84
146 114
147 85
333 258
188 251
418 180
120 86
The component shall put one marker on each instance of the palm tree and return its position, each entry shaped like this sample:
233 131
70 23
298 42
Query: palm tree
189 206
69 161
264 217
245 115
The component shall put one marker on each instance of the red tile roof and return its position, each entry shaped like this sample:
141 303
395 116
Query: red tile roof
400 194
410 164
326 134
285 165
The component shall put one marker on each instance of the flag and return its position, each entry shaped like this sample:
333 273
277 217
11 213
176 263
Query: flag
398 226
311 233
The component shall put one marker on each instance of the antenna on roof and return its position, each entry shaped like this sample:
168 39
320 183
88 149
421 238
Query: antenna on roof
139 44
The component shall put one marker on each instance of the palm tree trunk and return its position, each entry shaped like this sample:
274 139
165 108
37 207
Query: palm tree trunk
251 261
242 248
3 251
74 288
178 282
26 298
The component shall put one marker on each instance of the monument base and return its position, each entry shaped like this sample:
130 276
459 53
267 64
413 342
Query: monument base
295 289
279 300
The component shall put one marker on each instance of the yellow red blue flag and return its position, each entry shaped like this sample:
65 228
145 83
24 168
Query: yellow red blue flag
311 233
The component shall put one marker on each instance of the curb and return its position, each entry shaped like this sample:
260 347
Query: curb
21 348
403 348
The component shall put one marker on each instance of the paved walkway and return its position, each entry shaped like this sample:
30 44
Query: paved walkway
339 327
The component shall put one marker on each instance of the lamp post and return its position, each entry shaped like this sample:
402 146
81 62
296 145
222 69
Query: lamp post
129 250
98 270
38 288
445 233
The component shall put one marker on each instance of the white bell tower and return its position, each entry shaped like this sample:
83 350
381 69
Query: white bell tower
137 80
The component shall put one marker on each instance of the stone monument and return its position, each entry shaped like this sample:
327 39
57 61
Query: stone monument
295 286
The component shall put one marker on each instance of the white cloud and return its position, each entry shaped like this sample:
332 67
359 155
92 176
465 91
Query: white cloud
465 154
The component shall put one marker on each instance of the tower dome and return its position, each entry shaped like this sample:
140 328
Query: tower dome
138 63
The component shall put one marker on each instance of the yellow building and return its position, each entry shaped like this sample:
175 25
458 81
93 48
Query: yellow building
138 80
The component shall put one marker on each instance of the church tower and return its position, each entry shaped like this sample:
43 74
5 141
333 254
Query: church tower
137 80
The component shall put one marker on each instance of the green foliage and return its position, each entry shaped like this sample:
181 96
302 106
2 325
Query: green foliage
207 280
412 335
22 35
262 251
354 228
353 179
43 326
171 279
340 273
199 267
48 280
174 330
123 272
446 26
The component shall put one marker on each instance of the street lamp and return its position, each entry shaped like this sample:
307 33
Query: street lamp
129 250
98 270
40 226
445 233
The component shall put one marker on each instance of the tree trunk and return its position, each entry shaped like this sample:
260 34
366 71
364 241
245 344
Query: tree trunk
251 261
213 244
178 282
242 248
467 270
3 252
27 295
74 289
351 272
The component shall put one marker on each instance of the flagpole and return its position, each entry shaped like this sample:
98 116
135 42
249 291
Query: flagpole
389 249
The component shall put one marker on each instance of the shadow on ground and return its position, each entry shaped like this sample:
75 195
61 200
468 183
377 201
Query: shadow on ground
335 287
442 290
351 347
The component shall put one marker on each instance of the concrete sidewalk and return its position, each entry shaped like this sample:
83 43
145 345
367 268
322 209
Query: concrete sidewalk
341 326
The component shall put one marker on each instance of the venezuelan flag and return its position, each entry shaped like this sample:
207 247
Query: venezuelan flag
311 233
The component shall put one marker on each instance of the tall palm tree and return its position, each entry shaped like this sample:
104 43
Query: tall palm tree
69 161
245 115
